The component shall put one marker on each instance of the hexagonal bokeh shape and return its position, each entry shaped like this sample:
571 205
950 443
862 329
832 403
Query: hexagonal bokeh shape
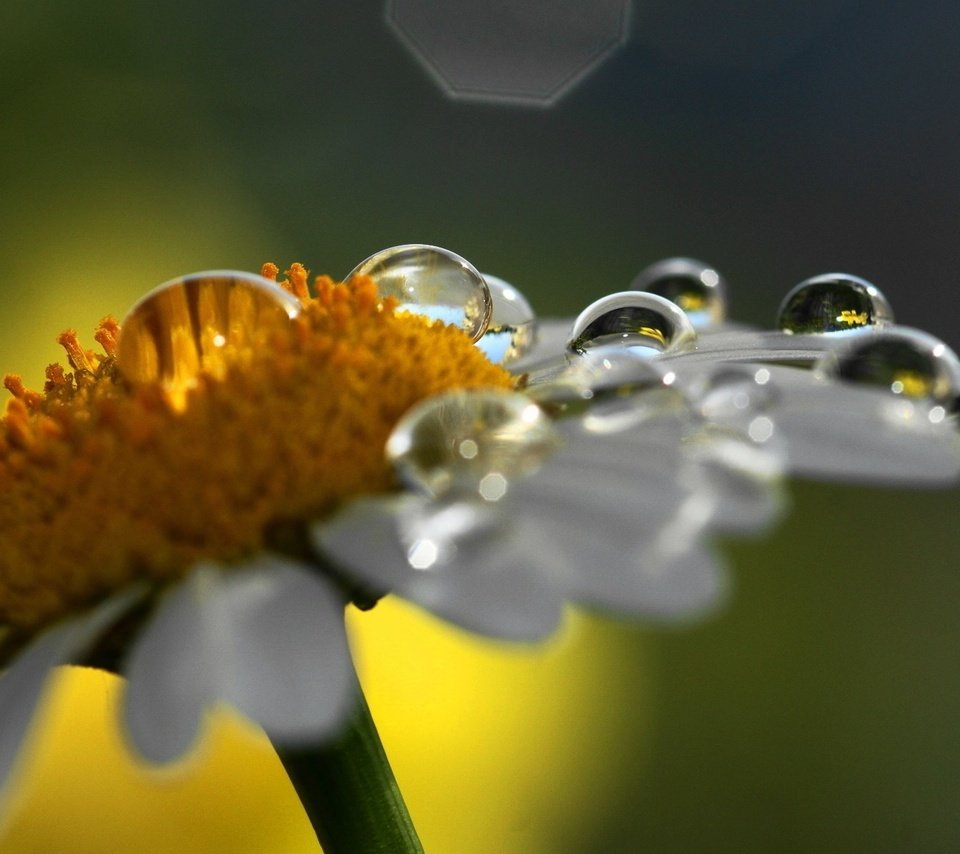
524 51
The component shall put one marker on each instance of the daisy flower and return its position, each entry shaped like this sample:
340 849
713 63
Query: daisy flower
194 505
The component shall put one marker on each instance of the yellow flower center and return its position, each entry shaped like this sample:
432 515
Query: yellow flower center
103 481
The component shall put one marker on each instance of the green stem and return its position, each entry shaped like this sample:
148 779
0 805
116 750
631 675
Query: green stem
349 792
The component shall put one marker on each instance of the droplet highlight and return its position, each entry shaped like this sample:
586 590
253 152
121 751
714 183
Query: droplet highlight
432 282
697 288
834 302
512 330
906 362
470 443
646 323
197 323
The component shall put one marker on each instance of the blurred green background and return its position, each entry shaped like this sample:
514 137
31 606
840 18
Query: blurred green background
819 710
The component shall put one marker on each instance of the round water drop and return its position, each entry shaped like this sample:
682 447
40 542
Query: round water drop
470 442
834 302
735 392
613 371
907 362
695 287
647 323
609 388
513 326
432 282
192 324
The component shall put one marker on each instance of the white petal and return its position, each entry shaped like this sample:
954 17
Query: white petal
669 574
840 431
268 639
283 650
739 345
742 478
474 569
168 672
22 686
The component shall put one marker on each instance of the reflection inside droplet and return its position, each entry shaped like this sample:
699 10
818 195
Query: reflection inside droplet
470 443
513 326
433 282
834 302
192 324
647 323
907 362
695 287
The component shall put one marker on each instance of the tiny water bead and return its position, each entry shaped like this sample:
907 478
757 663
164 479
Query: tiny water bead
609 388
695 287
470 443
189 324
735 392
833 302
907 362
646 323
432 282
513 325
617 371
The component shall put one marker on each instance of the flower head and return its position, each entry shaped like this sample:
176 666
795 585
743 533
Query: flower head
200 498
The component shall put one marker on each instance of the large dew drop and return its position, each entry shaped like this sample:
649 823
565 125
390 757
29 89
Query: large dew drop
432 282
694 286
513 325
470 443
906 362
647 323
834 302
188 325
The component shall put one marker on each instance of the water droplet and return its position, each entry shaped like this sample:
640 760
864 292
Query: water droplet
190 324
646 323
907 362
513 325
609 388
432 282
694 286
613 371
438 533
834 302
470 442
736 393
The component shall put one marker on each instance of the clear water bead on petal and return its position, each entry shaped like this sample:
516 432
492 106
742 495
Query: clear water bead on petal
432 282
833 302
907 362
609 388
513 325
187 325
735 391
694 286
647 323
470 442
